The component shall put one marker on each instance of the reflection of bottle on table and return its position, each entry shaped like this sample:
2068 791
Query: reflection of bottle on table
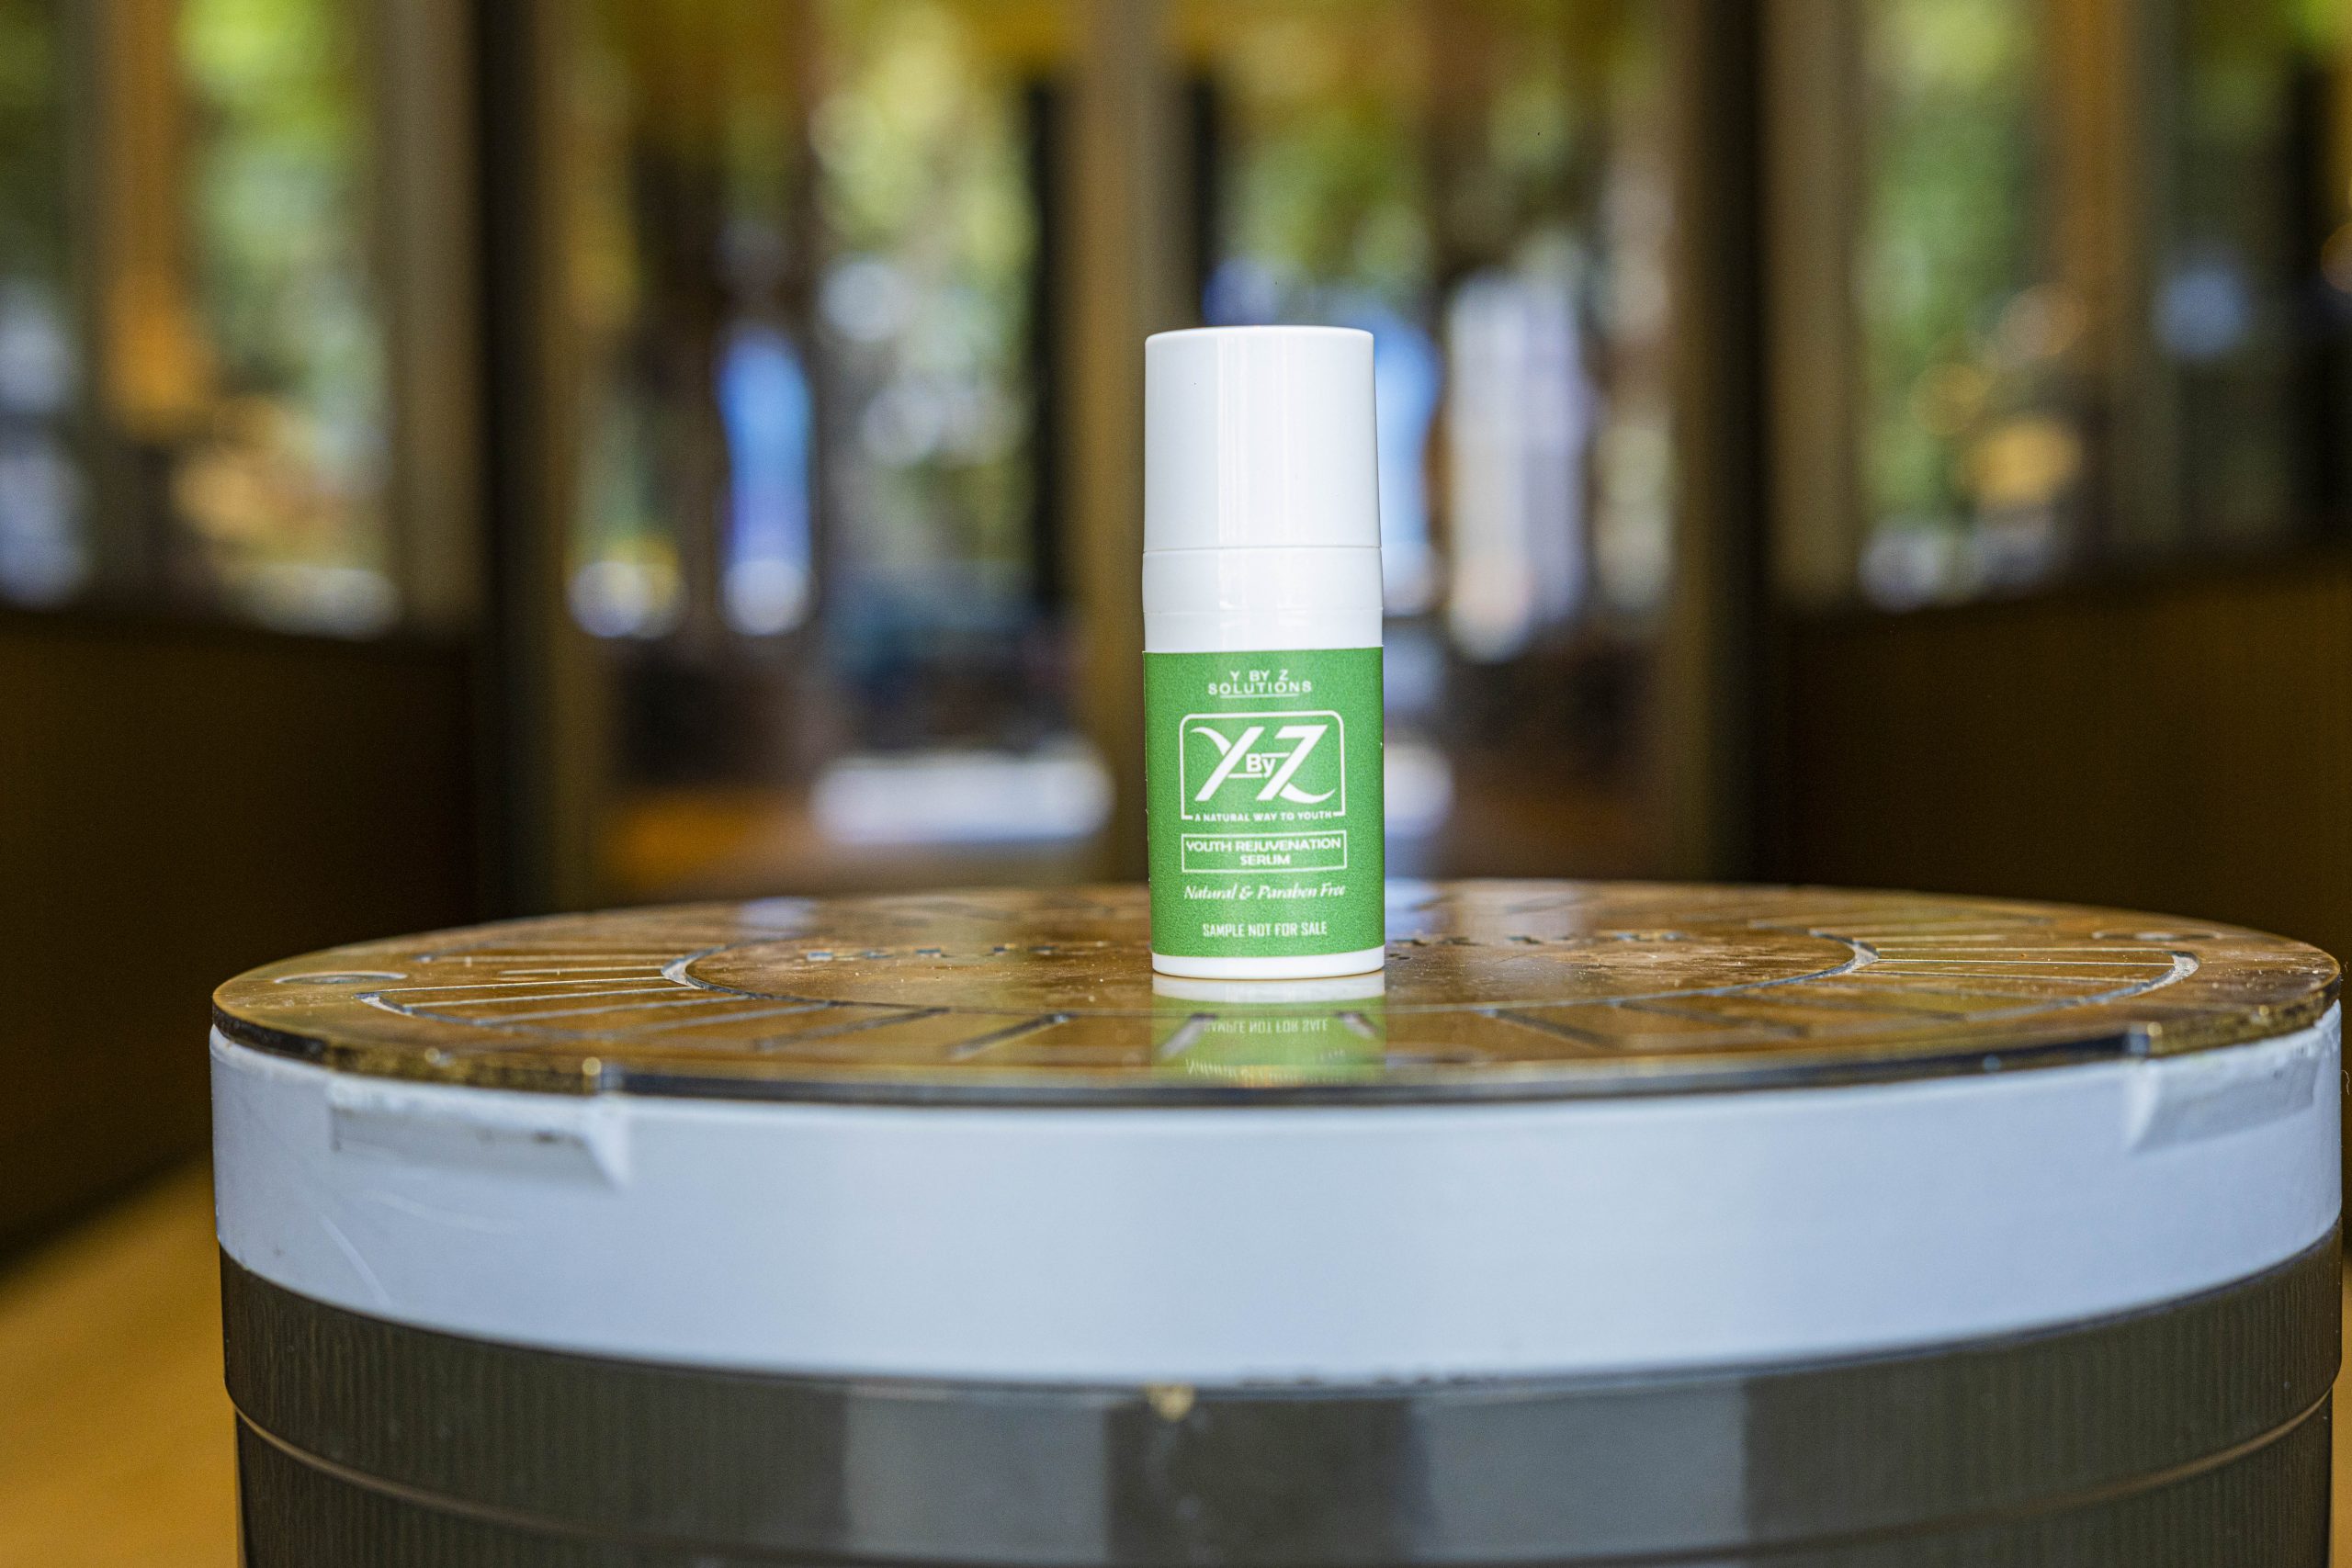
1264 1032
1676 1225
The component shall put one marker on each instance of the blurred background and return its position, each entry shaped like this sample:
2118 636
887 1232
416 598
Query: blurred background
463 459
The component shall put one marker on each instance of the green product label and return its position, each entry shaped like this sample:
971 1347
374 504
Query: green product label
1262 783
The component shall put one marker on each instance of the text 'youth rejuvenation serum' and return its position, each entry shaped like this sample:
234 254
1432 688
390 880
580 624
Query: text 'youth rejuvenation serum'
1262 653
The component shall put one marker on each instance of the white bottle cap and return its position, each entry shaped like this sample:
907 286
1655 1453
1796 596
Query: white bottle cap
1257 436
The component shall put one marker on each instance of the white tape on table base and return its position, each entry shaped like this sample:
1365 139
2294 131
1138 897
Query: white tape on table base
1223 1244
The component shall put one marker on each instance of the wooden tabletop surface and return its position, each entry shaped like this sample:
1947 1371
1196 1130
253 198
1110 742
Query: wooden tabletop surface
1492 989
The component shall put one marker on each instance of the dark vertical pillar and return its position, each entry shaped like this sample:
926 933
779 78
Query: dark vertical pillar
1715 683
515 699
1045 107
2316 212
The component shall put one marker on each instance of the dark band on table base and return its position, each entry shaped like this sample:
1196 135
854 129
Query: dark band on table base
2193 1433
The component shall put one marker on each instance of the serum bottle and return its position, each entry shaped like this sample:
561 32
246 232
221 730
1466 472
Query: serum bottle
1262 653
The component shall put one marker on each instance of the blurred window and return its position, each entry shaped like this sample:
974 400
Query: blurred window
2098 286
45 550
923 312
1969 460
768 419
212 286
277 455
803 252
2252 165
1484 187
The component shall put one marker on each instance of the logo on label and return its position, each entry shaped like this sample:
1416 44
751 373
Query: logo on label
1244 765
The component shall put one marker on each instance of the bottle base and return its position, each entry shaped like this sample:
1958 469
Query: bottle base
1302 966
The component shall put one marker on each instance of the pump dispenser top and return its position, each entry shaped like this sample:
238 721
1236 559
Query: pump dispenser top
1258 437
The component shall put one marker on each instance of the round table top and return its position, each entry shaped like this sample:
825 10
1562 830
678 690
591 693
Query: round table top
1493 989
